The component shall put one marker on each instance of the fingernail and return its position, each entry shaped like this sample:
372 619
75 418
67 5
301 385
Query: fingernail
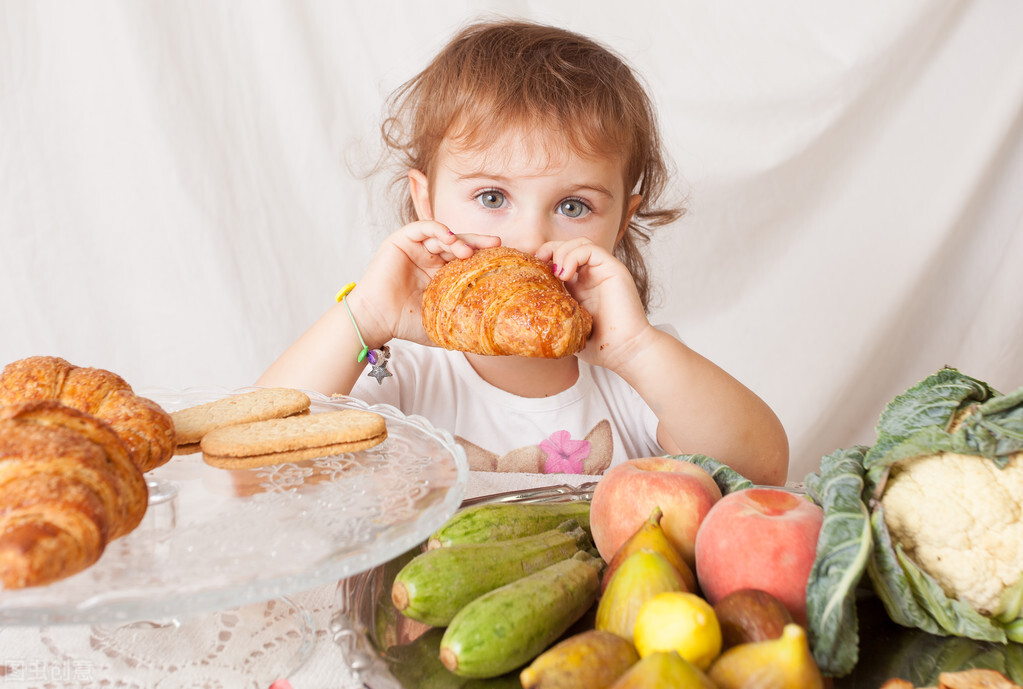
555 270
451 233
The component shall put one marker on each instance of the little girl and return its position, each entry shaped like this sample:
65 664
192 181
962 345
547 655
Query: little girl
536 138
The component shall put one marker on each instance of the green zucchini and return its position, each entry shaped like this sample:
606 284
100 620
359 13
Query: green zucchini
499 521
417 665
511 625
438 583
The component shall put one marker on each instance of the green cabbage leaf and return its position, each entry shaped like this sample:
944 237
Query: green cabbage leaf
934 402
843 549
728 479
994 429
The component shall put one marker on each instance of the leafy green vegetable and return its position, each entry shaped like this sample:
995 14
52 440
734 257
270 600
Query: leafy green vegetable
891 586
933 402
843 548
945 416
994 429
952 616
1012 607
727 478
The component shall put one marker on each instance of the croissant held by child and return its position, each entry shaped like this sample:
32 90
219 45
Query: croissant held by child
536 138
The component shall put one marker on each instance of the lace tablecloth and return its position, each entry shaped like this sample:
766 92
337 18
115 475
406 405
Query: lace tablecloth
286 640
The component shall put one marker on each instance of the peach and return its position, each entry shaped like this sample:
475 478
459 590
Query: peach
759 538
628 493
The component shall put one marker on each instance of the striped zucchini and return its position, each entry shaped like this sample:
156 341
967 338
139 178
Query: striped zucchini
438 583
416 665
511 625
499 521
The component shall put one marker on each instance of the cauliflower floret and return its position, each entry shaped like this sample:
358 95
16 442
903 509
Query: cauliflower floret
959 518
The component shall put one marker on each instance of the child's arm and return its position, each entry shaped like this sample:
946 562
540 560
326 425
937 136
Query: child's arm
701 408
386 304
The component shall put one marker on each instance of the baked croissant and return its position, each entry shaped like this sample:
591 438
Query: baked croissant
146 429
68 486
501 301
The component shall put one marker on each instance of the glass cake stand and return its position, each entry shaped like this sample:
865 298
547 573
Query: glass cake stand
215 539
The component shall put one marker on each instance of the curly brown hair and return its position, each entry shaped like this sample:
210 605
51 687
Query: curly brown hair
497 75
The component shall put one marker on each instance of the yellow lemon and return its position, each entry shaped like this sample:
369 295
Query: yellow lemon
681 622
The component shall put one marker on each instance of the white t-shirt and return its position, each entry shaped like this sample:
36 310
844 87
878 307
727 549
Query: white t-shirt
597 423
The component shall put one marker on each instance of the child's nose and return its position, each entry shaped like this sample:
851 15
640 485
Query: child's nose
531 235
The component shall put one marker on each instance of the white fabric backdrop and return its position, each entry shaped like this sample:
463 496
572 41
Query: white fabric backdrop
181 190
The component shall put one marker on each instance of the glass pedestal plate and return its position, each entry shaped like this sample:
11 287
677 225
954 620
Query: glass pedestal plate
217 545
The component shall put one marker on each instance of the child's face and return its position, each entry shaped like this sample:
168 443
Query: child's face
524 194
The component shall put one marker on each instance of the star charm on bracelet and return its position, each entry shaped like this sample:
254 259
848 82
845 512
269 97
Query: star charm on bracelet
378 358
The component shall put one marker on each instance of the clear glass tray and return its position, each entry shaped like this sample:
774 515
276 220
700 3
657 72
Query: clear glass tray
213 538
385 649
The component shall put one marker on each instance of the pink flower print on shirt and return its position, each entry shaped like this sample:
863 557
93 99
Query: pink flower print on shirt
564 455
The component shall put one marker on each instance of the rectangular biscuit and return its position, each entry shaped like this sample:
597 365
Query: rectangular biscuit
255 461
293 438
192 423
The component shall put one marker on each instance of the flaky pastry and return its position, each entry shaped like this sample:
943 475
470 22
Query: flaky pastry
501 301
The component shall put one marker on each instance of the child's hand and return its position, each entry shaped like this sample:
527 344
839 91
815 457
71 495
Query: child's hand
390 292
603 286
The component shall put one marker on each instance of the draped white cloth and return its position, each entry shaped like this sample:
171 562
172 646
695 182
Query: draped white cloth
182 184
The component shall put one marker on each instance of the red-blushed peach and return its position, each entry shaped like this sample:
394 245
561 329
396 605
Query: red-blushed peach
759 538
627 494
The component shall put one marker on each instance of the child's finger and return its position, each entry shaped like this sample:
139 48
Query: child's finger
567 257
480 241
439 240
454 246
546 251
448 251
435 239
423 230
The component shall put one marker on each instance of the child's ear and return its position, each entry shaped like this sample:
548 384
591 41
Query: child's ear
630 210
419 188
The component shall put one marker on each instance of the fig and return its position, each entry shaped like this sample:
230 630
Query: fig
641 576
651 536
593 659
750 615
663 670
782 663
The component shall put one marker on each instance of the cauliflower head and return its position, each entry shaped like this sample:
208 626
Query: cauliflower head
960 518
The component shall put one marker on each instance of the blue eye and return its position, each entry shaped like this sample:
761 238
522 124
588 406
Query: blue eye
491 199
573 208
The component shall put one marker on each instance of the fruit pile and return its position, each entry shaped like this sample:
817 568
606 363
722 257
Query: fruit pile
712 581
703 587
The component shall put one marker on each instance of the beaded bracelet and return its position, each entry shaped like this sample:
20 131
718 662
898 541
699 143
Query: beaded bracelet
377 357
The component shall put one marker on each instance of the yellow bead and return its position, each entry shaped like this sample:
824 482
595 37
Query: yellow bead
344 291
